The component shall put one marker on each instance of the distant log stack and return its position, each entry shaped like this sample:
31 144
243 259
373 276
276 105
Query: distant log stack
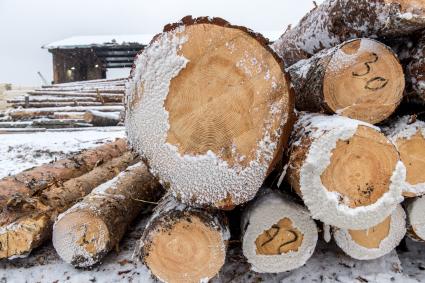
184 244
212 142
347 172
85 233
416 215
27 226
375 241
360 79
408 135
278 235
336 21
27 183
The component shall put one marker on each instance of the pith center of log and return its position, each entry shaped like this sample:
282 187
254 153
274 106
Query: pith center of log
361 168
281 238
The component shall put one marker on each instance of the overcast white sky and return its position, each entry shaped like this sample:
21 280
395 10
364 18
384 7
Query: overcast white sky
25 25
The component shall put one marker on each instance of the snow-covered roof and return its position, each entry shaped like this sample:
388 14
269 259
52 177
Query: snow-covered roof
89 41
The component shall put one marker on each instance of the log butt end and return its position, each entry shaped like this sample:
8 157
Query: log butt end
80 238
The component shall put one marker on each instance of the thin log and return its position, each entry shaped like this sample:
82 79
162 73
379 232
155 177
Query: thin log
100 119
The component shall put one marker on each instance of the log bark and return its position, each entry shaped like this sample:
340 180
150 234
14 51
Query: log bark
415 209
85 233
408 135
416 71
58 104
182 243
31 181
64 95
28 225
336 21
185 129
360 79
347 172
100 119
375 241
278 234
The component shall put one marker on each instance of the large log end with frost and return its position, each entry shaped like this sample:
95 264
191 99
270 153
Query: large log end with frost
209 107
347 172
375 241
278 234
415 216
408 135
361 79
183 244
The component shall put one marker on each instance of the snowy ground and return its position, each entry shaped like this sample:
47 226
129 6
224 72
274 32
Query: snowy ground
328 264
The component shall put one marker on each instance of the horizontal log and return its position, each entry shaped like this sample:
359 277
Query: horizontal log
59 104
29 113
4 131
89 82
107 97
101 118
51 98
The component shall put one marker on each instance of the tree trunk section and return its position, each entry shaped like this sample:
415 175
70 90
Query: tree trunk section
278 234
347 172
182 243
416 71
335 21
415 216
233 123
375 241
31 181
101 119
85 233
361 79
408 135
28 225
31 113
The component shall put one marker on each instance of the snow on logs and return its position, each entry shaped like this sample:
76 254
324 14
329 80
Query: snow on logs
375 241
415 209
278 234
28 225
335 21
347 172
209 107
85 233
360 79
182 243
27 183
408 135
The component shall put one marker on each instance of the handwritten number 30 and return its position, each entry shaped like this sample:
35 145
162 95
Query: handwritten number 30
376 82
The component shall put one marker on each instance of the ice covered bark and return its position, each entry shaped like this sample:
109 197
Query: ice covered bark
346 171
209 107
375 241
278 234
360 79
335 21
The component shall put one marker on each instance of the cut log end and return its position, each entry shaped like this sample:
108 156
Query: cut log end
81 239
188 251
364 80
373 242
278 235
225 108
416 215
347 172
361 168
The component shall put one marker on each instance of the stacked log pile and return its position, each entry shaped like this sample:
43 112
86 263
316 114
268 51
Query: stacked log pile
210 109
68 105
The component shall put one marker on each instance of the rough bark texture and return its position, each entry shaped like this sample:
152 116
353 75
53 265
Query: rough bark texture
100 119
197 242
416 71
336 21
112 207
28 225
329 168
31 181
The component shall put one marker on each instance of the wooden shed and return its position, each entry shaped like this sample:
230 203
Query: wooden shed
83 58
